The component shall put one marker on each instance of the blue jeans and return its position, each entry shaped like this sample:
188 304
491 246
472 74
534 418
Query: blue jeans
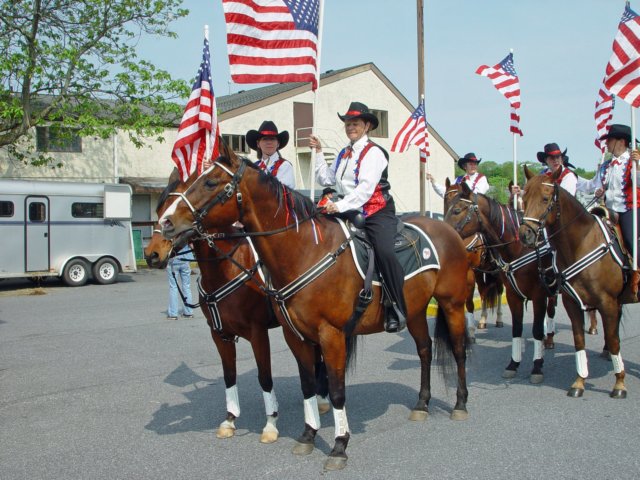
183 270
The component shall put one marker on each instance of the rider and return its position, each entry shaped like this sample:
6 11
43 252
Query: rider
613 179
477 181
268 142
360 174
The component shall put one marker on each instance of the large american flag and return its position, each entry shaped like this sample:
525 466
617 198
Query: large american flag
199 129
622 76
603 115
272 41
413 132
505 79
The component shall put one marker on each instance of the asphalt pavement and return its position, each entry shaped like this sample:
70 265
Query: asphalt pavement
96 383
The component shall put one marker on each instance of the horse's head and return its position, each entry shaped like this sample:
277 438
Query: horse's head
451 190
462 212
540 199
207 201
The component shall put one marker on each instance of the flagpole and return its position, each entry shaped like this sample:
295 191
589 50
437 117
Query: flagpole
421 90
634 184
312 173
515 161
423 156
208 146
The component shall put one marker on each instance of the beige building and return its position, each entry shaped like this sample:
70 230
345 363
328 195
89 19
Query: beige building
290 106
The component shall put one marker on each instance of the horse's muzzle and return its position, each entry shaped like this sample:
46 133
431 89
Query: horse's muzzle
527 235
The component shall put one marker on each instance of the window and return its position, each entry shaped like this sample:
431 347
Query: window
6 209
57 139
87 210
383 124
37 212
238 143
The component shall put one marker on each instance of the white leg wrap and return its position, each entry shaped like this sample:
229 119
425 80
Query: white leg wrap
618 365
270 402
517 347
271 425
537 349
340 419
311 415
233 404
471 321
581 363
549 325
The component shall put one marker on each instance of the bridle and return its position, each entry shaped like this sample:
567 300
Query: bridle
539 231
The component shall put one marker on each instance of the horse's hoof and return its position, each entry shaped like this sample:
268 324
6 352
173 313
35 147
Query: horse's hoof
482 326
536 378
509 373
323 405
269 437
592 331
335 463
606 355
618 393
499 324
459 415
575 392
418 415
225 432
302 448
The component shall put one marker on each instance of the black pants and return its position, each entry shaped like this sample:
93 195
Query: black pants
626 225
381 230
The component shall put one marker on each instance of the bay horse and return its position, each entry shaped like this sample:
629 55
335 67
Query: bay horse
586 266
471 214
235 307
484 274
316 287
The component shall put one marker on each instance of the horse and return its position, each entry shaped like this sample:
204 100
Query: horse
235 307
316 287
590 271
484 274
471 214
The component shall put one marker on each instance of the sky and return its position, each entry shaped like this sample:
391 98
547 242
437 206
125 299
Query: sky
560 47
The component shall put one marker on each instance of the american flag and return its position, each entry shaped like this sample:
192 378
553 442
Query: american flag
622 76
504 78
272 41
413 132
199 129
514 126
603 115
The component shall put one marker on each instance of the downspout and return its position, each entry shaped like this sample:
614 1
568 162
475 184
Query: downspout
116 174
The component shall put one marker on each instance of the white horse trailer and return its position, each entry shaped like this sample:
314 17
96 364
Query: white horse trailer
68 230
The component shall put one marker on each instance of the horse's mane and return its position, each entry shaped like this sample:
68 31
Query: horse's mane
171 187
503 215
293 201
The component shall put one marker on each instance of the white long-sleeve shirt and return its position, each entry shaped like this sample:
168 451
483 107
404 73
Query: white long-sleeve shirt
285 173
569 182
481 186
344 179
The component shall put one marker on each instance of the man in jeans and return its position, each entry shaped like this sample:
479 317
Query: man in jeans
179 267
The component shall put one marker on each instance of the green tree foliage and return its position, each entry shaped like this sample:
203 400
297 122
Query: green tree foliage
73 62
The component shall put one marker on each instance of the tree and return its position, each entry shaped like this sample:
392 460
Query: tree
73 63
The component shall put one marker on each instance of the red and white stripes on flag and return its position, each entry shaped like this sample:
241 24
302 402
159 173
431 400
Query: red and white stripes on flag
603 115
622 75
505 79
198 131
272 41
413 132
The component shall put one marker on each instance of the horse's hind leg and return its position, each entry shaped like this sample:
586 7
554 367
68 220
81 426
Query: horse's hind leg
262 352
470 307
227 351
499 322
419 330
611 323
516 305
539 312
322 383
577 326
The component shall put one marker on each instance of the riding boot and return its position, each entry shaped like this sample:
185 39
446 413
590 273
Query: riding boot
396 320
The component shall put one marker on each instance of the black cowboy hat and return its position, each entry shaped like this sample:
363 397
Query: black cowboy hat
360 110
552 149
267 129
618 131
469 157
328 190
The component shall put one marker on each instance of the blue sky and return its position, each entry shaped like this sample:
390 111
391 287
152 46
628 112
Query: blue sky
561 48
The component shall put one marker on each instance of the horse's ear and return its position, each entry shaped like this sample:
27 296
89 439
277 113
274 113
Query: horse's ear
447 183
174 177
528 173
227 155
466 190
510 184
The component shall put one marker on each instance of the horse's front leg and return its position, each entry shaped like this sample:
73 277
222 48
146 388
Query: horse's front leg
611 324
419 330
262 353
516 305
539 312
227 351
576 315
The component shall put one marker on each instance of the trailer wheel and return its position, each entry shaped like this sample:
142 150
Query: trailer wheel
75 273
105 271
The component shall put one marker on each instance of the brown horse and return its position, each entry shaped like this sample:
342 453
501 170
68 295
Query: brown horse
235 306
471 214
316 286
587 268
484 274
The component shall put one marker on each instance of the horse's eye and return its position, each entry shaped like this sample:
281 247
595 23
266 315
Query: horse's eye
457 210
545 199
210 183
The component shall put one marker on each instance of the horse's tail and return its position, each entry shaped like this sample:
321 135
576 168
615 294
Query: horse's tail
443 348
493 290
352 351
551 306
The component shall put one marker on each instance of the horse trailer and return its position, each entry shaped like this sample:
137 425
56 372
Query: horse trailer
67 230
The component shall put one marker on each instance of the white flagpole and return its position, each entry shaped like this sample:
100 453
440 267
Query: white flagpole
312 165
208 150
515 157
634 182
426 164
